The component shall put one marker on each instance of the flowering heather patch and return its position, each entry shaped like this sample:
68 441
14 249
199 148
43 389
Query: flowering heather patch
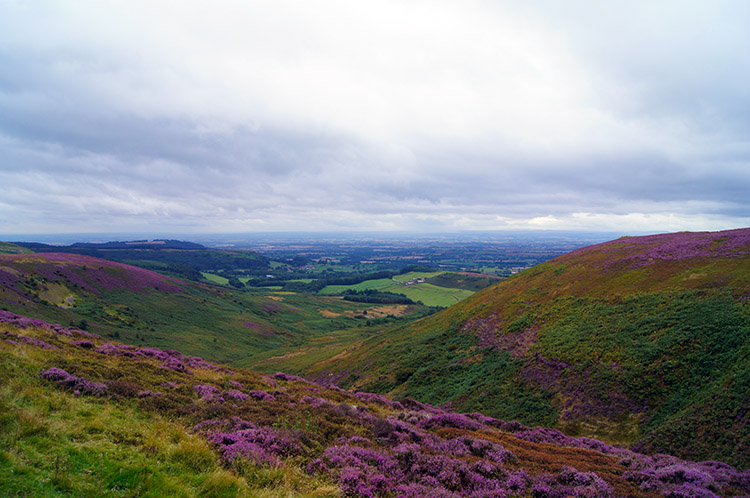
378 399
110 349
85 344
20 339
110 275
260 395
663 473
213 394
360 471
287 377
646 250
23 322
261 445
238 395
270 381
456 420
208 392
78 385
271 308
570 483
172 360
198 362
418 470
316 402
413 404
90 274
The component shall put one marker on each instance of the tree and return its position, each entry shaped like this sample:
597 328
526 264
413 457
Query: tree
235 282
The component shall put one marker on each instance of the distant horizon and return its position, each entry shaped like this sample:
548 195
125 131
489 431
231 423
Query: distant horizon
224 238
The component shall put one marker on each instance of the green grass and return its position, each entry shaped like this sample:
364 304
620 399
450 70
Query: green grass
382 284
415 274
214 278
429 294
432 295
463 281
54 443
8 248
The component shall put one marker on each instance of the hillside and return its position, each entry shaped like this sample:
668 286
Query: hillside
84 416
7 248
176 258
141 307
641 340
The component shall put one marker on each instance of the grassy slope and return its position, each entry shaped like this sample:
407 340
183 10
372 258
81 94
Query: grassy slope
57 443
142 307
54 443
642 339
7 248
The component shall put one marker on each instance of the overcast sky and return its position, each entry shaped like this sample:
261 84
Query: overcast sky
236 116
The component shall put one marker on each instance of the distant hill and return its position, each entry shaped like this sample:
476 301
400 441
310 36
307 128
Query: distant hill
641 340
81 415
172 257
133 244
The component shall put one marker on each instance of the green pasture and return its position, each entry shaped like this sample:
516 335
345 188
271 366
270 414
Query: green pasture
215 279
432 295
429 294
381 284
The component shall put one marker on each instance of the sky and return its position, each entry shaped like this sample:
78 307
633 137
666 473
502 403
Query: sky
155 116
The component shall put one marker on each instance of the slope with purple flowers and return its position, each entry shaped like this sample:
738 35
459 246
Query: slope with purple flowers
641 340
85 416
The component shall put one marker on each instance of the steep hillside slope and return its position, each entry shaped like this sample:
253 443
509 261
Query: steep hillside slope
83 416
641 340
146 308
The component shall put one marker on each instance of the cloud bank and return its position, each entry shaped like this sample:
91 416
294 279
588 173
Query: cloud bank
336 115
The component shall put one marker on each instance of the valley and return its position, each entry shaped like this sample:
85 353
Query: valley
640 342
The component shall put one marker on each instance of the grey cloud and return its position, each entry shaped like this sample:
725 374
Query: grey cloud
651 122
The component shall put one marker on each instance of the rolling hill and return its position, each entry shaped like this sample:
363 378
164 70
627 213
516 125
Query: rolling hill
185 260
641 340
142 307
81 415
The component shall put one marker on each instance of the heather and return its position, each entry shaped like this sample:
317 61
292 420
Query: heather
642 341
206 430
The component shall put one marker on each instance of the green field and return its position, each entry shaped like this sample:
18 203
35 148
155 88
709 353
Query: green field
214 278
381 284
432 295
429 294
